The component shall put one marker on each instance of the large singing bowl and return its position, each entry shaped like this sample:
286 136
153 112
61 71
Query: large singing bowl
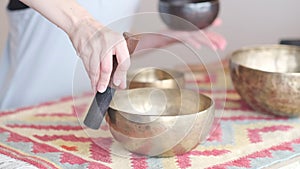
201 13
160 122
267 77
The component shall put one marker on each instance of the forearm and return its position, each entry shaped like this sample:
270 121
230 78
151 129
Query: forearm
63 13
193 38
157 40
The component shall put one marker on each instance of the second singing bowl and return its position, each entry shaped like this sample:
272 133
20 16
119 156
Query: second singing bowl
160 122
155 77
267 77
177 14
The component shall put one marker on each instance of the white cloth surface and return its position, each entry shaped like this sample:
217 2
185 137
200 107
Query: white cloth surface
11 163
39 60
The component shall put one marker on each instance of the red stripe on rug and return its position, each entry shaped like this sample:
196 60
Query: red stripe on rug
94 165
247 117
138 162
266 153
63 137
77 111
62 100
255 134
209 152
99 146
45 127
184 160
71 159
54 115
66 157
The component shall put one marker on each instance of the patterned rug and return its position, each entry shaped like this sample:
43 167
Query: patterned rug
50 136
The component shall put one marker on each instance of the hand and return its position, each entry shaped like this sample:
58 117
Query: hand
96 46
198 38
194 38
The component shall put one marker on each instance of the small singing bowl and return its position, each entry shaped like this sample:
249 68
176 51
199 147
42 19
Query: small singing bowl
154 77
176 14
160 122
267 77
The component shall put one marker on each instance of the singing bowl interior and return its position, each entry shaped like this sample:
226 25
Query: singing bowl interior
160 122
154 77
272 58
268 78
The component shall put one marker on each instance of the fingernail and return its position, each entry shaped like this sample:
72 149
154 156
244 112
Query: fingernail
101 89
117 82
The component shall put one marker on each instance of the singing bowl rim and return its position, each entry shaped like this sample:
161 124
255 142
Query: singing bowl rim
207 108
233 63
173 73
162 78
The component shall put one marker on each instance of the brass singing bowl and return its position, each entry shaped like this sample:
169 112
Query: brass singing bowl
155 77
160 122
267 77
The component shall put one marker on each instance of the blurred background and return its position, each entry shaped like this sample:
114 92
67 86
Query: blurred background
244 22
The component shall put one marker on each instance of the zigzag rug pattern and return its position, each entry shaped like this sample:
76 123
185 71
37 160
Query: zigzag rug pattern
51 136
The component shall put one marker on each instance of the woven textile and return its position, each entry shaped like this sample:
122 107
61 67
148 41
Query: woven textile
50 136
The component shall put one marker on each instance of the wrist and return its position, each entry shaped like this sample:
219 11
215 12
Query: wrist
73 17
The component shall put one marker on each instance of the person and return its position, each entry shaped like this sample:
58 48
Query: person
39 58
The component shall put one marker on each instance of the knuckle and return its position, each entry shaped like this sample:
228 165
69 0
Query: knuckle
106 69
93 77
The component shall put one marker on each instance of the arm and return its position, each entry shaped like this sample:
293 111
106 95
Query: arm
94 43
194 38
63 13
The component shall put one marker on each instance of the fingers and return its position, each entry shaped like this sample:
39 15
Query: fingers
94 70
106 68
94 65
217 22
212 40
217 40
123 59
100 67
194 40
186 37
197 39
105 72
202 40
